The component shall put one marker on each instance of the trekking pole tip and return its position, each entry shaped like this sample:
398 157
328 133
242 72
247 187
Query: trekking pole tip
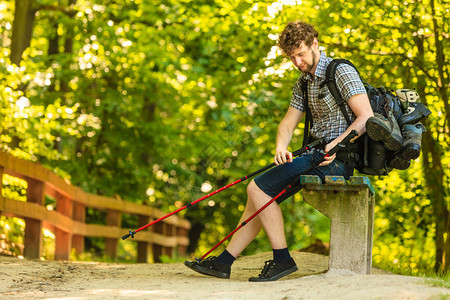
131 233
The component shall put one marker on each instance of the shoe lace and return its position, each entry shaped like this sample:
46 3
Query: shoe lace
268 265
388 109
207 261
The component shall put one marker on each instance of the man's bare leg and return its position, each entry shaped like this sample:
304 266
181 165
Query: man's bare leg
270 218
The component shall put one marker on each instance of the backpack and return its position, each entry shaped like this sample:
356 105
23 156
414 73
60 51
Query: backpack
365 155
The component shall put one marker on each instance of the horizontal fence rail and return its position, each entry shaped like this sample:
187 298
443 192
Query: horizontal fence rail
68 221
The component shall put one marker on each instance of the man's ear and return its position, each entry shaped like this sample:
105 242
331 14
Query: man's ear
315 44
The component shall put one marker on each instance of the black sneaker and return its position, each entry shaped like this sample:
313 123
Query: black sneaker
274 270
209 266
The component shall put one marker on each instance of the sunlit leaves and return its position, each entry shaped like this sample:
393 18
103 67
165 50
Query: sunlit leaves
153 99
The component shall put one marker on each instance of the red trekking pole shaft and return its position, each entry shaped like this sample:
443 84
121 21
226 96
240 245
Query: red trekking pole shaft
248 220
341 145
295 153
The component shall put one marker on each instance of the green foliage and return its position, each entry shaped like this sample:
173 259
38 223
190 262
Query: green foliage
11 239
162 101
443 281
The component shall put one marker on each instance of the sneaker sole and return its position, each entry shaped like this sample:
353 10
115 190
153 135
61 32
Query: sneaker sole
276 277
205 271
378 132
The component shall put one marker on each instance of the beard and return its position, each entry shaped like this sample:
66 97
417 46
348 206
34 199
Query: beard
309 67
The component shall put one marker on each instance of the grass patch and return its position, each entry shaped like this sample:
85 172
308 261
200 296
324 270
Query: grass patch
438 281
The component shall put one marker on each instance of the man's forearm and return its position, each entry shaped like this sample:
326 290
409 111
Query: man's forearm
284 136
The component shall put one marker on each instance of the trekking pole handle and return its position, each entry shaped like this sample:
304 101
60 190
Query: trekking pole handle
131 233
308 147
343 143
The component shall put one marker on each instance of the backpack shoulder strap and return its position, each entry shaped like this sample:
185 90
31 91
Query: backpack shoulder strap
330 81
308 117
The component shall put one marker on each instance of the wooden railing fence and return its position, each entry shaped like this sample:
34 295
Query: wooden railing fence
68 220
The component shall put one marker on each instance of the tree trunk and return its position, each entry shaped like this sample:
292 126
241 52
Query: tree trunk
433 168
440 61
442 89
22 30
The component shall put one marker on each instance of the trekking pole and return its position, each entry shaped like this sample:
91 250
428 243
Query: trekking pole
295 153
335 149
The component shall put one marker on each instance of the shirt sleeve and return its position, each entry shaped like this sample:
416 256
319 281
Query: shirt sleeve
348 82
297 96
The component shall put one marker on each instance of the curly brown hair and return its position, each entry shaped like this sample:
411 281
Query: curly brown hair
294 34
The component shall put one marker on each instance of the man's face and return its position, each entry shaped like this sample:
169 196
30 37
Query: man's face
304 58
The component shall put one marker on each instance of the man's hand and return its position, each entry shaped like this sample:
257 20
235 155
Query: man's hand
328 159
282 156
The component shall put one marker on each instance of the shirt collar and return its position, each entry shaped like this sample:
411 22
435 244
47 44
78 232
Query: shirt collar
321 68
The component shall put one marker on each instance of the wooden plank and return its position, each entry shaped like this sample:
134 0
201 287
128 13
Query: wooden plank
335 180
138 209
310 180
362 181
34 211
184 224
23 209
183 241
60 185
25 168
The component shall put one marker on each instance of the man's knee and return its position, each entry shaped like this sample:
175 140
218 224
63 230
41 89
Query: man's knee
253 189
255 193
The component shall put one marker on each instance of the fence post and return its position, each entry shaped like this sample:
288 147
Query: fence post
143 248
63 239
182 232
113 218
33 227
170 232
78 215
1 190
1 183
157 250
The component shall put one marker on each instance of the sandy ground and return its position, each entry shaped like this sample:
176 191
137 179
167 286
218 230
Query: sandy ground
25 279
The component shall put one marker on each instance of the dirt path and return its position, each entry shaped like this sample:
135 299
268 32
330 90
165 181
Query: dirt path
24 279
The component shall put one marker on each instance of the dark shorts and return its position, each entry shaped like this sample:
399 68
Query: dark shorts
273 181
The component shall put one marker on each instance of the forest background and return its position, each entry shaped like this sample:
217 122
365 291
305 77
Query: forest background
159 102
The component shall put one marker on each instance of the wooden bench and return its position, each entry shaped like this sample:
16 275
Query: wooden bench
350 207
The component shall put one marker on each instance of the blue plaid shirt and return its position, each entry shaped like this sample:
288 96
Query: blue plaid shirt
328 120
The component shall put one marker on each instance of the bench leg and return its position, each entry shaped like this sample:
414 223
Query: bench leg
351 232
371 216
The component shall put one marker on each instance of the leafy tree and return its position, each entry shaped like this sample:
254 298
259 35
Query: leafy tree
159 102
